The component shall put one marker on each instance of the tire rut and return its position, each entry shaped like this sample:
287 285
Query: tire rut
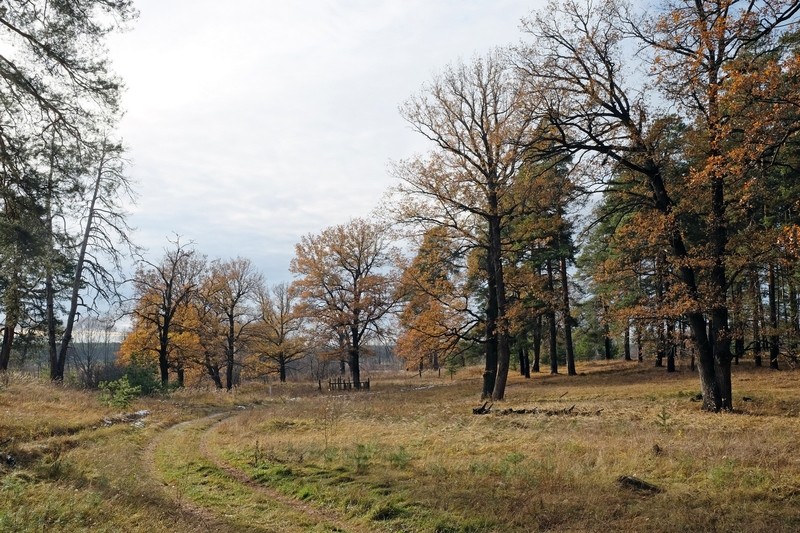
199 517
329 517
204 519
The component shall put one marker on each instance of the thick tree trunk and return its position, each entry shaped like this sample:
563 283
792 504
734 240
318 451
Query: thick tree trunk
354 354
490 368
503 344
713 364
229 374
355 370
213 371
282 369
5 349
713 359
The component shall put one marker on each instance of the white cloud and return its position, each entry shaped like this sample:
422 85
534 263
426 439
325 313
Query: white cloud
251 123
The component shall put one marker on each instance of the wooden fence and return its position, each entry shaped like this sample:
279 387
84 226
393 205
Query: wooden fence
341 384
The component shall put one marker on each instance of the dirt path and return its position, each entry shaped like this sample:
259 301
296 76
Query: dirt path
326 516
194 516
226 505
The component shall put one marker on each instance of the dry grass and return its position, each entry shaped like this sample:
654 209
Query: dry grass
420 460
410 456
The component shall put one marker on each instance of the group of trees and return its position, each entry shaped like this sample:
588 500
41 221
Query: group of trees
220 319
62 226
189 314
678 126
621 172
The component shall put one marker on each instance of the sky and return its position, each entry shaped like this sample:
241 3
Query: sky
251 123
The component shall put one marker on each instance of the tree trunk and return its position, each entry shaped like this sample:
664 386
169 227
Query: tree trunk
355 371
774 339
551 323
670 346
627 341
639 354
537 342
755 282
57 373
713 362
503 344
567 318
5 349
163 352
490 368
230 352
213 371
49 284
50 318
793 316
282 369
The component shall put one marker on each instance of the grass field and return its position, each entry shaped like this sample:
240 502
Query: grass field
409 456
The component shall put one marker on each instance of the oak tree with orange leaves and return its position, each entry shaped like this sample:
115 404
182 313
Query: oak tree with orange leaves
583 78
347 282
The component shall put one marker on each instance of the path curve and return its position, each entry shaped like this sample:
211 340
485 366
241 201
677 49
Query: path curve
204 518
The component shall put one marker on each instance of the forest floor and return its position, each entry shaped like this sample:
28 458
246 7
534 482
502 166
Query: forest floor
620 447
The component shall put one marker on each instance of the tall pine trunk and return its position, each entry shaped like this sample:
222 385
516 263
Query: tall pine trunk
551 323
774 339
758 320
57 373
567 318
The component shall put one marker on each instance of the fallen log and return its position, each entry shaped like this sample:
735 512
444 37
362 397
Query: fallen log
638 485
483 409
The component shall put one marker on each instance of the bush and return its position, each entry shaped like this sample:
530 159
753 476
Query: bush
143 374
119 393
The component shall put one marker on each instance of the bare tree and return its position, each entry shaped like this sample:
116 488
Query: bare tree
160 291
104 228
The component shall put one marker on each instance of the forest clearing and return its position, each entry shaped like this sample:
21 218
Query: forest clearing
408 455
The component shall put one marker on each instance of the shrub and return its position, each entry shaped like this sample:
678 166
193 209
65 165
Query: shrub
119 393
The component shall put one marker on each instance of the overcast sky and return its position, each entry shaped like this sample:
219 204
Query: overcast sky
250 123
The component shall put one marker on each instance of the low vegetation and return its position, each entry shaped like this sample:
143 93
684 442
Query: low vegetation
409 455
